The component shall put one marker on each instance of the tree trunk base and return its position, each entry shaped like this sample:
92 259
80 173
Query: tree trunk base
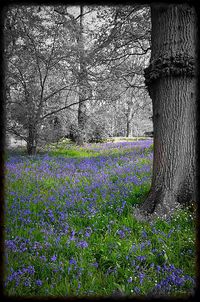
158 204
31 150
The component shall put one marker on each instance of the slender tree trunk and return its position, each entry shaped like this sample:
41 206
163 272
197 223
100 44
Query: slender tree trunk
31 141
84 87
171 82
129 117
127 128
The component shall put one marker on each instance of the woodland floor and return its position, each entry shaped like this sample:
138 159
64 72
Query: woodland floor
70 228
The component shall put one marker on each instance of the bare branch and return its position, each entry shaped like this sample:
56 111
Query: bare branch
57 91
133 85
17 133
63 108
35 52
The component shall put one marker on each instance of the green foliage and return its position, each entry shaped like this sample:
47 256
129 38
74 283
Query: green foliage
139 193
67 148
69 153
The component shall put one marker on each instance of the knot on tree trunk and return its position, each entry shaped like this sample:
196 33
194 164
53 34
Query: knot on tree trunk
179 65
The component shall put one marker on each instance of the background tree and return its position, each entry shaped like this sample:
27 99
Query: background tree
122 52
32 77
171 80
74 65
104 50
76 25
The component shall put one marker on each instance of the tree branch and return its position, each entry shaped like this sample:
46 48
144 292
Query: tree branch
14 131
63 108
57 91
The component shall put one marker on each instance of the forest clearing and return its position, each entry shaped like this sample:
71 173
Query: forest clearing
70 227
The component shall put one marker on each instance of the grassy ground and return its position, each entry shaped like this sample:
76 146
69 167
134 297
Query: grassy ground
71 230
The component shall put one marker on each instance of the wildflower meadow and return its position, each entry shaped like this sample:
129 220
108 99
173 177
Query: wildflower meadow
71 231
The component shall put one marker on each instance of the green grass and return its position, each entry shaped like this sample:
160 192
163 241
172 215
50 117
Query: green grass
67 148
70 153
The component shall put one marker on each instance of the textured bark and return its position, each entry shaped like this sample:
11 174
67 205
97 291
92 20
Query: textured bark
173 95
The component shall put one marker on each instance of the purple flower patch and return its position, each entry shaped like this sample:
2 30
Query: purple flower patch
82 244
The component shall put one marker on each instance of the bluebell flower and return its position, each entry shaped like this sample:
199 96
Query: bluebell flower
30 270
121 234
72 261
82 244
170 232
88 232
144 234
141 276
27 283
130 280
43 258
134 247
141 258
136 290
38 282
53 258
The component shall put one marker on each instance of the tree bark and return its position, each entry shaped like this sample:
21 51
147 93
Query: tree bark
127 128
31 140
171 81
129 117
84 87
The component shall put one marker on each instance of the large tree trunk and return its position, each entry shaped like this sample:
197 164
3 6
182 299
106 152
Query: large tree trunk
171 81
